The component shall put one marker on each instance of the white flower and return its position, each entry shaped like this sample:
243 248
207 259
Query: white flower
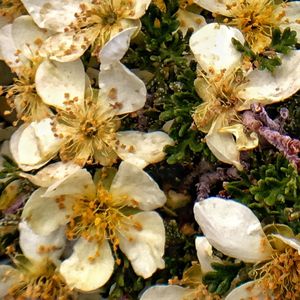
85 128
115 210
233 229
256 18
227 88
36 274
83 23
19 44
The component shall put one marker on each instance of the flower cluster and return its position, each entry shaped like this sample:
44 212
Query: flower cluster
87 89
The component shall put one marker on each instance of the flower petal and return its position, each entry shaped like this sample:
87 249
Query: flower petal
79 182
138 185
52 14
223 145
34 145
267 88
249 290
9 276
213 48
233 229
188 20
27 36
165 292
292 242
291 16
56 82
115 49
215 6
142 149
144 244
124 91
89 267
140 7
205 254
44 215
51 173
243 141
39 248
8 47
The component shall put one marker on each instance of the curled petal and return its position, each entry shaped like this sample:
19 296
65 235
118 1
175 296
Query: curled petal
51 173
115 49
89 267
133 182
292 242
39 248
142 149
233 229
144 243
139 9
213 48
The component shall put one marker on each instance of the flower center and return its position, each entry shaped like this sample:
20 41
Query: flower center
219 94
281 275
255 18
96 21
88 129
22 96
38 282
99 219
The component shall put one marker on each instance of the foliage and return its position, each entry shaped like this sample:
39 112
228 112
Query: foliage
270 189
164 52
219 280
282 42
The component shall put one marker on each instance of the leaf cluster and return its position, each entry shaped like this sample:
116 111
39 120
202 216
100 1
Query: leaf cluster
282 42
272 190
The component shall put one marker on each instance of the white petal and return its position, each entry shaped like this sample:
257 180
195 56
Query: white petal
52 14
249 290
292 16
223 145
79 182
165 292
34 246
34 145
83 273
51 173
142 148
144 244
233 229
27 36
266 87
292 242
55 80
140 7
139 186
9 276
115 49
121 88
213 48
44 215
8 47
215 6
189 20
205 254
